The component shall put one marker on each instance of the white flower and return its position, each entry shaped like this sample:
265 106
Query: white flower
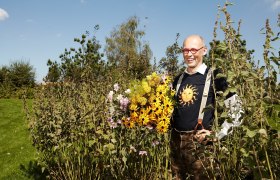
132 148
113 124
128 91
110 96
119 97
116 87
154 143
142 153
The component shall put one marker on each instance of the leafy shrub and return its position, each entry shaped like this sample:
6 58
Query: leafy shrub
69 127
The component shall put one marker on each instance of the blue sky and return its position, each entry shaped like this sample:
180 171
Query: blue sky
38 30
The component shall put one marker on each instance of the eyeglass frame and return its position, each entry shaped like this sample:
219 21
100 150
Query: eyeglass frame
186 50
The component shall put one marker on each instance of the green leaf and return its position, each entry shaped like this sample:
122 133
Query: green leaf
110 146
231 75
245 73
220 60
91 142
220 75
113 140
124 159
244 152
250 133
224 114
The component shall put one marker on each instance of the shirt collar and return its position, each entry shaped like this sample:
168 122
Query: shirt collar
201 69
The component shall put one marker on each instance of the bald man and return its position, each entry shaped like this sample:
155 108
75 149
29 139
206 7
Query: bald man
190 124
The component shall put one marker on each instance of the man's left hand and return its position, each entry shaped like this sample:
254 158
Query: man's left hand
201 135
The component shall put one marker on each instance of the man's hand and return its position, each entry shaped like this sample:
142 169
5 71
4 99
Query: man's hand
201 135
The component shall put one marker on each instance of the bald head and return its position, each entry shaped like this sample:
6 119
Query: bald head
193 51
196 39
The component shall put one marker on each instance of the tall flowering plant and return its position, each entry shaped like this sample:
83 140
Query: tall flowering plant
151 103
118 105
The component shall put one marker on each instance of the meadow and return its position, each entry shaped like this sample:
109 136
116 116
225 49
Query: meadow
16 150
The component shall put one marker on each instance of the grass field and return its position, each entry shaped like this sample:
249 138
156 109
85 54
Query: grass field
15 145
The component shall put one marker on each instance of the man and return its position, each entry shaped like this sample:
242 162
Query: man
191 125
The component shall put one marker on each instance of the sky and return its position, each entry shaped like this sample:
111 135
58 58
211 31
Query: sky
37 30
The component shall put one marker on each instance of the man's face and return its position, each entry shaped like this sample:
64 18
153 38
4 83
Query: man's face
193 51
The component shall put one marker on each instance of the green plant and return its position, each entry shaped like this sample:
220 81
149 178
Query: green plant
252 149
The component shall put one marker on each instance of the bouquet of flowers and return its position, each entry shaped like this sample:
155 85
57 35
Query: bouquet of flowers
151 103
148 103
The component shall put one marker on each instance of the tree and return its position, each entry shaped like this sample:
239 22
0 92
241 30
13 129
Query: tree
54 72
81 64
22 74
4 74
126 52
170 63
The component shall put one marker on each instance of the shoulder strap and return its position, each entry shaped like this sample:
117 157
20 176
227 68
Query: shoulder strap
204 99
179 83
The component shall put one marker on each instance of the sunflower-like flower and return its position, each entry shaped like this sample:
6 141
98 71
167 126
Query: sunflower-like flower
162 127
151 102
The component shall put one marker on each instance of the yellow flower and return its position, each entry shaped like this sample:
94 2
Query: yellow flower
146 87
133 115
129 124
142 101
164 119
133 100
160 91
133 107
144 119
162 127
156 103
151 102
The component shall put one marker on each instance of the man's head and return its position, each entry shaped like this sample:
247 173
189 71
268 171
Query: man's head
193 51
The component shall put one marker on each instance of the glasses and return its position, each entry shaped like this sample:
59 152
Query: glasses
192 50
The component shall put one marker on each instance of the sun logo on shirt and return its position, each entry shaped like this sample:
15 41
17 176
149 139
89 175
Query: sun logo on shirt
188 95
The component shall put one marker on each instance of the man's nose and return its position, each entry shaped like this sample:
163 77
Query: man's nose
189 53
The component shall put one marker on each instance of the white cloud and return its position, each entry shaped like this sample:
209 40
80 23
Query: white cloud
82 1
276 4
3 14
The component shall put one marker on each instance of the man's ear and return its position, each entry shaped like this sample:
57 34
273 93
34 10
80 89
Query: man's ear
205 51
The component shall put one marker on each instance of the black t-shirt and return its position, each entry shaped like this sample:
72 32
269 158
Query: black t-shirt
188 100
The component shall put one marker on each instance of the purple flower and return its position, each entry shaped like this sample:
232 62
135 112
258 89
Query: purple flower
113 124
163 78
142 153
110 119
116 87
123 103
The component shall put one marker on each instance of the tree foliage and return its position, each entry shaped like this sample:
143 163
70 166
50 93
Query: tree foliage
126 52
170 64
78 64
15 77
